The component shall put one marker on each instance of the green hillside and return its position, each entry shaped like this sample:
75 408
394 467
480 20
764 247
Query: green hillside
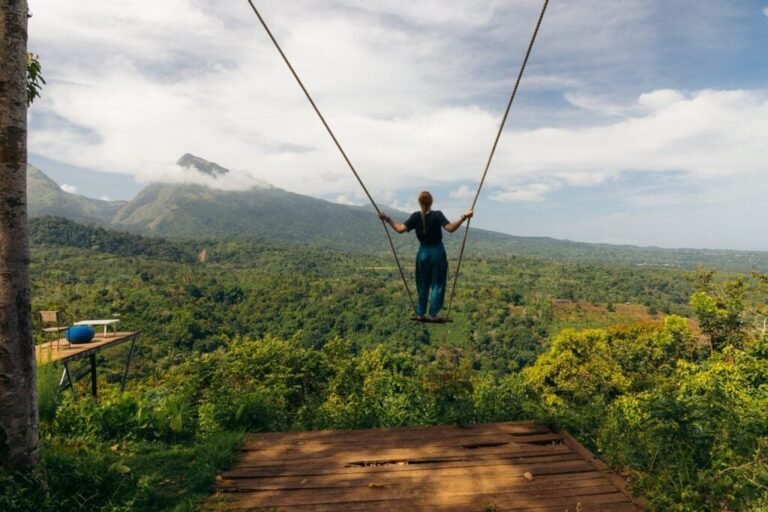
272 215
45 197
57 231
195 212
605 254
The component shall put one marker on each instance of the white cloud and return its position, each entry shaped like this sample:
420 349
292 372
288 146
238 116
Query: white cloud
765 11
532 192
707 133
595 104
659 100
463 192
105 198
406 85
582 178
345 199
234 180
388 197
69 188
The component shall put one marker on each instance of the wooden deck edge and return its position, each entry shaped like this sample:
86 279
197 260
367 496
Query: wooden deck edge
603 468
259 436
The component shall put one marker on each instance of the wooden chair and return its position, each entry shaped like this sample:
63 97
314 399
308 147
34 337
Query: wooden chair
52 324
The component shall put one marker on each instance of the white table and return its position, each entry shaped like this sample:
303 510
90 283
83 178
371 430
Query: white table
106 323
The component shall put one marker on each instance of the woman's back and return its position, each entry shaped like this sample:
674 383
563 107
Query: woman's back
428 226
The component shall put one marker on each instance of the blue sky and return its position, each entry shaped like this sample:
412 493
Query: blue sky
639 121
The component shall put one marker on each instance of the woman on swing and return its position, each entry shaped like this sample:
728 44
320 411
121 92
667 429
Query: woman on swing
431 261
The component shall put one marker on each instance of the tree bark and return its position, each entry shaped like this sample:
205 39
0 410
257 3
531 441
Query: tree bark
18 393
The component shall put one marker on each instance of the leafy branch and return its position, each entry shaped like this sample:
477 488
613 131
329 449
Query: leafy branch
35 78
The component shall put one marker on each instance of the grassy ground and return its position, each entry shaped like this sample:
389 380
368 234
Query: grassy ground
130 476
578 314
82 470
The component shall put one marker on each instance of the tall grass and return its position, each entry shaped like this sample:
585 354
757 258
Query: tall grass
48 394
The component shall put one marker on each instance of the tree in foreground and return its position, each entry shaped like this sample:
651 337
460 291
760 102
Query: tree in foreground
18 401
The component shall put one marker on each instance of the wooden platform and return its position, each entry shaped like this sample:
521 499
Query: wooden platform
61 351
55 351
483 468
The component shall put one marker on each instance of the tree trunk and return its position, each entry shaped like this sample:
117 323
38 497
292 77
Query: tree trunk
18 393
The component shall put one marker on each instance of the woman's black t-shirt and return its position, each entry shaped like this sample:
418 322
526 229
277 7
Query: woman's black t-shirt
432 233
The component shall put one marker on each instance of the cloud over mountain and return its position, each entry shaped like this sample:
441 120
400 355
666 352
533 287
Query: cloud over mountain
414 90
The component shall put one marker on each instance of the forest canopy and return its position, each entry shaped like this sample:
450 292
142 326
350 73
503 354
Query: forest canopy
659 371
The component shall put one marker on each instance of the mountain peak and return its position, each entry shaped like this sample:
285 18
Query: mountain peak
190 161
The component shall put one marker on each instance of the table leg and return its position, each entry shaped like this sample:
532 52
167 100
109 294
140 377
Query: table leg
127 365
69 379
93 375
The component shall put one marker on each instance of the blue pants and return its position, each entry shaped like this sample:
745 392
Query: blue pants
431 273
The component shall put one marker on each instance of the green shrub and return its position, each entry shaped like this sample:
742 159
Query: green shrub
696 441
48 394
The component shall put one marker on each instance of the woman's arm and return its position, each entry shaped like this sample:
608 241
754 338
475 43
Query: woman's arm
400 228
453 226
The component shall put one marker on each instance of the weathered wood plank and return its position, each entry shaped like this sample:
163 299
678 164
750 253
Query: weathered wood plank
547 483
411 505
474 501
350 458
507 466
499 464
448 489
357 454
475 466
341 436
437 463
469 439
382 487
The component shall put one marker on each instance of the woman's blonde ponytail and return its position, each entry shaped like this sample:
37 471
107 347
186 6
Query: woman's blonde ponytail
425 202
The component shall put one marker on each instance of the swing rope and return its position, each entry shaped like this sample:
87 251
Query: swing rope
338 145
493 150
